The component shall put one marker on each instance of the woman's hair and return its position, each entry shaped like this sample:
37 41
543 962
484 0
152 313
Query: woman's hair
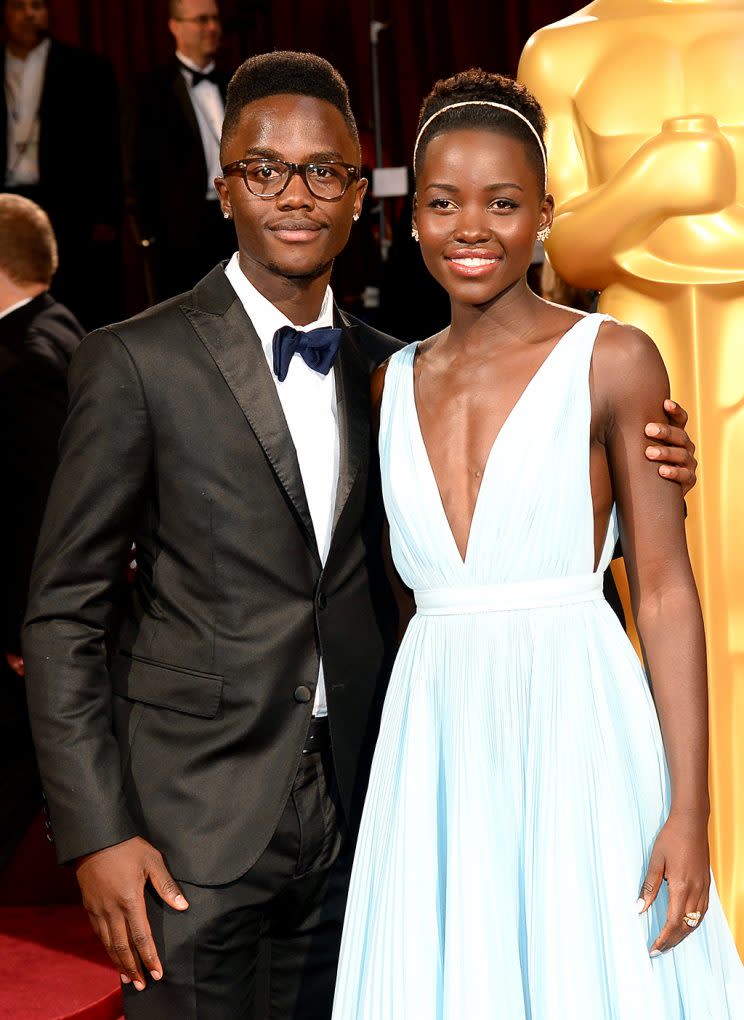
477 88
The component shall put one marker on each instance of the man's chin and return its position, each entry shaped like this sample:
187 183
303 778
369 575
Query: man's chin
290 272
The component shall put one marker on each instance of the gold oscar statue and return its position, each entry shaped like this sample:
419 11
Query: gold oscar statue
645 107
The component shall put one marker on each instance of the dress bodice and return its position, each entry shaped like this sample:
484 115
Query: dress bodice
533 518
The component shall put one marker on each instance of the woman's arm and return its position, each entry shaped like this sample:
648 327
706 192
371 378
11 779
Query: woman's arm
630 382
403 595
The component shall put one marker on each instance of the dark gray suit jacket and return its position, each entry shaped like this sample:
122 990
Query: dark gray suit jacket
193 732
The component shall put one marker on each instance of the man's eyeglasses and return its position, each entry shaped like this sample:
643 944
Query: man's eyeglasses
267 178
202 20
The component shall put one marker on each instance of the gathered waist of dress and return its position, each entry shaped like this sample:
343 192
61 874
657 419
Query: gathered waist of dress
545 593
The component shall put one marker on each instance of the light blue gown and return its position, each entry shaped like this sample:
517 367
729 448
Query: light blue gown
519 779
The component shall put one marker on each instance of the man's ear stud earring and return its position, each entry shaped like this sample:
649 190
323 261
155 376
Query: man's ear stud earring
543 234
414 232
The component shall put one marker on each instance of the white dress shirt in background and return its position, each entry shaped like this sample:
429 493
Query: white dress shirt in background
209 109
308 400
24 83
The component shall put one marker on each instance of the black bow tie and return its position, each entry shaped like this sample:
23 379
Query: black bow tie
317 348
197 76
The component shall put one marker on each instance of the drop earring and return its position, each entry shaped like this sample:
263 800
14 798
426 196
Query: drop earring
227 215
414 232
543 234
355 217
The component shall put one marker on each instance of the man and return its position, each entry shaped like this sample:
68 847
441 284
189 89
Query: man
37 338
171 152
59 145
238 455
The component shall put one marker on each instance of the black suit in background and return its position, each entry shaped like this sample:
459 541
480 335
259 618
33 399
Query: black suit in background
36 344
80 178
193 738
165 180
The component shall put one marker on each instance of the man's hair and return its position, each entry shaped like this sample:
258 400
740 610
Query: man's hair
28 247
480 85
282 73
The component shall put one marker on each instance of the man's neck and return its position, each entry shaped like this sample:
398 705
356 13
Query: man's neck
300 300
199 61
21 52
11 293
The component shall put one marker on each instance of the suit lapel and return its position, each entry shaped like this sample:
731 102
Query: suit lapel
352 397
181 91
228 334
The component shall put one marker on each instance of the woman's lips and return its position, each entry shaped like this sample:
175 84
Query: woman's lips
472 262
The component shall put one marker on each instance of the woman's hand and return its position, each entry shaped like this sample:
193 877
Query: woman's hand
680 856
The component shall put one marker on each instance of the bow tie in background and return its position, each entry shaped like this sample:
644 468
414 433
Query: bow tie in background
198 76
317 348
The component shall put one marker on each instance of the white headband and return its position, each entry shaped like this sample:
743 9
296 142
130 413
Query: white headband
498 106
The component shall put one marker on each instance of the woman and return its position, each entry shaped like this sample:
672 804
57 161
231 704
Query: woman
534 842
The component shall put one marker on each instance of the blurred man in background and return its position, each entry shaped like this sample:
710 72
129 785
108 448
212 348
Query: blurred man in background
59 145
171 152
37 338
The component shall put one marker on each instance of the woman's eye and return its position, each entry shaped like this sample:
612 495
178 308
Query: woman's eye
440 203
503 204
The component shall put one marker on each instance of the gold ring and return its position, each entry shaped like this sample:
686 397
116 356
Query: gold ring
693 918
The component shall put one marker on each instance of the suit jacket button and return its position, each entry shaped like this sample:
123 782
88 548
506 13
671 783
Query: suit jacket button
302 694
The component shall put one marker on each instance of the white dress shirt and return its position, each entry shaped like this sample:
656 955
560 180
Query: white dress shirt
308 400
209 109
24 83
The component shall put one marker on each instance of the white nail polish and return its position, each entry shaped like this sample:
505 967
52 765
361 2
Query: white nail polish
640 905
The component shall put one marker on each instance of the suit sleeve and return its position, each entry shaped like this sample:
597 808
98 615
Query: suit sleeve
33 405
94 503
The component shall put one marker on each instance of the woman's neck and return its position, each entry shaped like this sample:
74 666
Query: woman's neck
513 314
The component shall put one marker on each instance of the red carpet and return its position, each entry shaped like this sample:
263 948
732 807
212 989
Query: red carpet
52 966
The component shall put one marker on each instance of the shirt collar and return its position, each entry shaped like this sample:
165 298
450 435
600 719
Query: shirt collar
15 307
37 54
266 318
195 67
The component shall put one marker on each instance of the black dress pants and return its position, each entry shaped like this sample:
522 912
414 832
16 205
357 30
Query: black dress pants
264 947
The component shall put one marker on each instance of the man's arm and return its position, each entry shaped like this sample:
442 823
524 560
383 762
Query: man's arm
80 559
91 516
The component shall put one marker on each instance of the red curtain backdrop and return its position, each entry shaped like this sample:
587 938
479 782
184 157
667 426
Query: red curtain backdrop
424 40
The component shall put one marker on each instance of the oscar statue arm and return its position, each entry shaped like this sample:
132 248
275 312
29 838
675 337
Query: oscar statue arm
596 222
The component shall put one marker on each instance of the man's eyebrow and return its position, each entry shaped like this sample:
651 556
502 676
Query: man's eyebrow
326 156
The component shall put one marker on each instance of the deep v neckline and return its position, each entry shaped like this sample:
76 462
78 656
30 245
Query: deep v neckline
463 560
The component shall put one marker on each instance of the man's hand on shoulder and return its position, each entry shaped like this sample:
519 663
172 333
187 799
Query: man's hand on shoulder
112 882
673 450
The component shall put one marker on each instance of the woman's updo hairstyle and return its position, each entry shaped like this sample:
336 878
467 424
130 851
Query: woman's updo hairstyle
477 85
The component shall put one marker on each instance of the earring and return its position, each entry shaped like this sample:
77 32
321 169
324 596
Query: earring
414 232
355 217
543 234
227 215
